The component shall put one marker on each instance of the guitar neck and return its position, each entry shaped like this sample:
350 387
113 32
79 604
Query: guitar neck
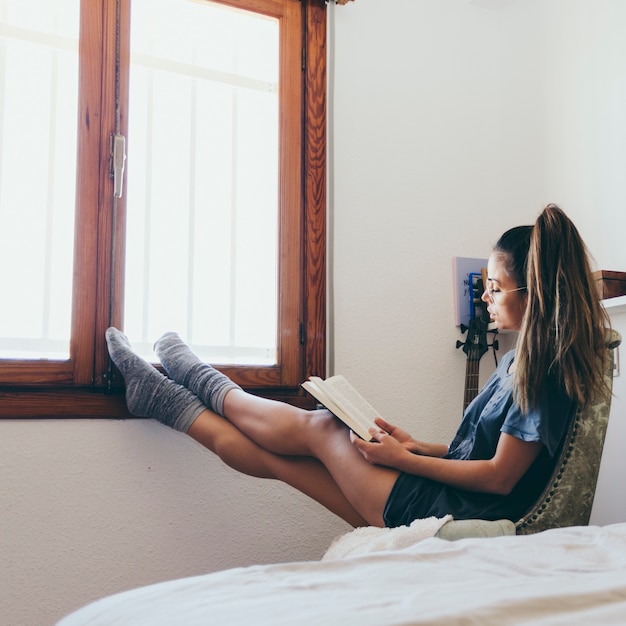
471 382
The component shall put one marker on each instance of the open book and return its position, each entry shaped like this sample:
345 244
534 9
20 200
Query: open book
345 402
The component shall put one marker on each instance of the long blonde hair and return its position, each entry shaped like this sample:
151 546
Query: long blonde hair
563 335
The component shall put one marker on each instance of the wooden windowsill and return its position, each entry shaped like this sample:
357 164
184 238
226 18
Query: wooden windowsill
87 403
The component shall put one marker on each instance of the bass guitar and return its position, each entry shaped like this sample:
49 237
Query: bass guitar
475 344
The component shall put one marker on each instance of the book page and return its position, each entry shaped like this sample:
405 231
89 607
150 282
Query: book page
315 387
325 395
350 401
356 404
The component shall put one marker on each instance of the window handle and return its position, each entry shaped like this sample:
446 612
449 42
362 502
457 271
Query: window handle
118 157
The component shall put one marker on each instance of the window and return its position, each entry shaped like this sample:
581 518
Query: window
53 359
203 184
39 78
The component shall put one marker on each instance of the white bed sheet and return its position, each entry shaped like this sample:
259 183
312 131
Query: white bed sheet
559 577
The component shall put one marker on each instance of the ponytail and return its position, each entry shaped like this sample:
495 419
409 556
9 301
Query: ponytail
562 338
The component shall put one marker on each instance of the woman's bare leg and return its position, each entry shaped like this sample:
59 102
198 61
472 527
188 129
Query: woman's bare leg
304 473
287 430
276 426
336 474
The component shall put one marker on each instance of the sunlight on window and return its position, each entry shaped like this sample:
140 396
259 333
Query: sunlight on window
38 107
202 191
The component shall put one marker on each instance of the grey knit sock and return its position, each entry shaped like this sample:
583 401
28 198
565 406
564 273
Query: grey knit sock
148 392
209 384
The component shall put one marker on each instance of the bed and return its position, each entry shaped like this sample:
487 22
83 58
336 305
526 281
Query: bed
567 576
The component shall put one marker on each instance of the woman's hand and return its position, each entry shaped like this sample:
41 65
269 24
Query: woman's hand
401 436
389 446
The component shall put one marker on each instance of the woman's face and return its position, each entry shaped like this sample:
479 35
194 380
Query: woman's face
506 302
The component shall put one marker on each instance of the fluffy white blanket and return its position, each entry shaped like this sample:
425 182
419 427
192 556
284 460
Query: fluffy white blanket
369 539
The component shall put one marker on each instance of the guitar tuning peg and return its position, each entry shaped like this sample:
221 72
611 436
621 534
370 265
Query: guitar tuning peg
463 329
459 343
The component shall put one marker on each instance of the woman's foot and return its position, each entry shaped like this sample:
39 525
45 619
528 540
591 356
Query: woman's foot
148 392
209 384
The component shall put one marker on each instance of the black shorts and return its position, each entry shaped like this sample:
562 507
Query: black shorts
415 497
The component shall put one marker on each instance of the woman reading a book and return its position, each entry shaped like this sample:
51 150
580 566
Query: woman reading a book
539 283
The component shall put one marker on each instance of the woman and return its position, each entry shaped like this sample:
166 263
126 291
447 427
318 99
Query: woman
539 283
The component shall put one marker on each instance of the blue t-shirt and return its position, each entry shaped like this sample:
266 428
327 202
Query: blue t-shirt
492 412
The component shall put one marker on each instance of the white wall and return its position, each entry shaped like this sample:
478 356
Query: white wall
89 508
453 122
609 505
583 95
447 129
427 150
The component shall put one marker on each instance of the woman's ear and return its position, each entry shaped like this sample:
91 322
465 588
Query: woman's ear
523 303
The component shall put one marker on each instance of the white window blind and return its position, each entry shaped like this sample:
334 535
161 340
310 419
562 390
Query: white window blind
38 108
202 199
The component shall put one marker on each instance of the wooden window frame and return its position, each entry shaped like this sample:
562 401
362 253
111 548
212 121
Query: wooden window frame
85 385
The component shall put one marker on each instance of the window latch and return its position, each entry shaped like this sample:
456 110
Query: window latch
118 159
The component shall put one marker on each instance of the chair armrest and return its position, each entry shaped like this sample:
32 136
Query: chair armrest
463 529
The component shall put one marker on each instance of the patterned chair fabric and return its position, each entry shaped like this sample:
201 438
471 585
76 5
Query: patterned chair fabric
568 497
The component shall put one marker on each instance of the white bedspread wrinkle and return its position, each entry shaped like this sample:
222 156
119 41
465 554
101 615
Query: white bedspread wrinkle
562 577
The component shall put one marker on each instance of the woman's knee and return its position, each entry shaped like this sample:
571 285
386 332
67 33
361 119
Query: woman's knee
230 445
324 429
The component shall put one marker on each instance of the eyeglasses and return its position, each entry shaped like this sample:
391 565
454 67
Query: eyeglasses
492 293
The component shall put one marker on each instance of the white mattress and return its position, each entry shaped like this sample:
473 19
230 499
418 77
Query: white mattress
562 576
